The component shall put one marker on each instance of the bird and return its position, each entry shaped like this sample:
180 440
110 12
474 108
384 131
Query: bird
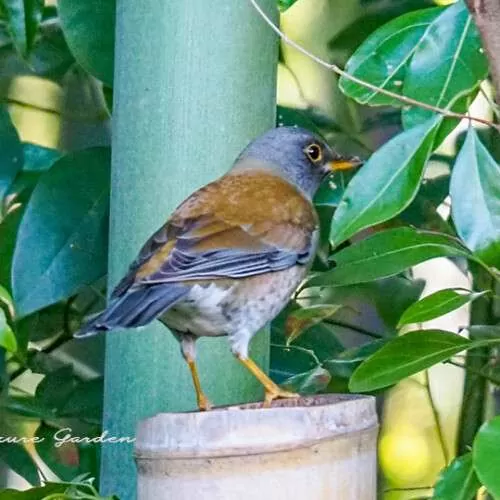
231 255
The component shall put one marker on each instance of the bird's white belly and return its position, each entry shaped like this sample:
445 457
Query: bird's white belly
201 312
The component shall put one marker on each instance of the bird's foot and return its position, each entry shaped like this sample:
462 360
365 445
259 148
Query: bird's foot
277 393
204 403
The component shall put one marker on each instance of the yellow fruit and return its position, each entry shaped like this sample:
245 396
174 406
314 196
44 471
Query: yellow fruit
404 456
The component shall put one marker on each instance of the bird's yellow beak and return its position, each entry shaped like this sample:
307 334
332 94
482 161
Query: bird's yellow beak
343 163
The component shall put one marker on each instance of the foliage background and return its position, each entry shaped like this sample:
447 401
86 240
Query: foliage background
342 330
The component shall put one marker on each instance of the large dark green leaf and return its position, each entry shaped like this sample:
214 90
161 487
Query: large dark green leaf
385 254
458 481
19 460
62 239
486 456
23 18
448 64
384 57
8 234
475 193
85 401
11 153
386 184
56 387
404 356
437 304
89 28
37 158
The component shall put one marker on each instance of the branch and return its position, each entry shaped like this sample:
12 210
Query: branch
336 69
486 14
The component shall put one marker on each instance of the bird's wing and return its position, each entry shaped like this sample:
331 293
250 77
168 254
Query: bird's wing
242 225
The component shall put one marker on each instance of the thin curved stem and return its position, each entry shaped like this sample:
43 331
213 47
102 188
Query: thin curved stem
336 69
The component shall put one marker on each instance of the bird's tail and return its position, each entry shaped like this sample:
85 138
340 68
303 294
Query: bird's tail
136 307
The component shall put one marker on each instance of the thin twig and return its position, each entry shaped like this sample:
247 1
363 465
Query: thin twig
489 378
437 420
336 69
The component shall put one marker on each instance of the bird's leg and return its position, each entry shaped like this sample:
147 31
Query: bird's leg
273 391
188 350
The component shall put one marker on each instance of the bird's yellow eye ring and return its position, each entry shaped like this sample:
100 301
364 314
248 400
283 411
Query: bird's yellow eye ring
314 152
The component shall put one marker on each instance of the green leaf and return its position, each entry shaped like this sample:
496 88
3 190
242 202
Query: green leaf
19 460
384 57
56 457
56 387
8 234
346 362
85 401
458 481
89 29
386 184
447 65
11 152
37 158
285 4
385 254
41 492
486 456
404 356
62 239
311 382
23 18
7 338
475 194
437 304
431 55
304 318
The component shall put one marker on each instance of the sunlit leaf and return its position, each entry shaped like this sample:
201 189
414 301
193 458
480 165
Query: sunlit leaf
457 481
475 193
446 65
437 304
384 57
7 338
387 253
404 356
486 456
386 184
431 55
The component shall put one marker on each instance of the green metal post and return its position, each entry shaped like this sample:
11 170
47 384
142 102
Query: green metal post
194 83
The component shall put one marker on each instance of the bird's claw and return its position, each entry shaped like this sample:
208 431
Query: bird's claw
204 403
277 394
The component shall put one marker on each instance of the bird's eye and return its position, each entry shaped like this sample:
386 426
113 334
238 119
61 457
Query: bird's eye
314 153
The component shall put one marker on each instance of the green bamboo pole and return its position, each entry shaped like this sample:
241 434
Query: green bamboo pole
194 82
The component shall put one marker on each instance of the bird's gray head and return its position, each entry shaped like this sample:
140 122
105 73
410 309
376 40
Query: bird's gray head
295 154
